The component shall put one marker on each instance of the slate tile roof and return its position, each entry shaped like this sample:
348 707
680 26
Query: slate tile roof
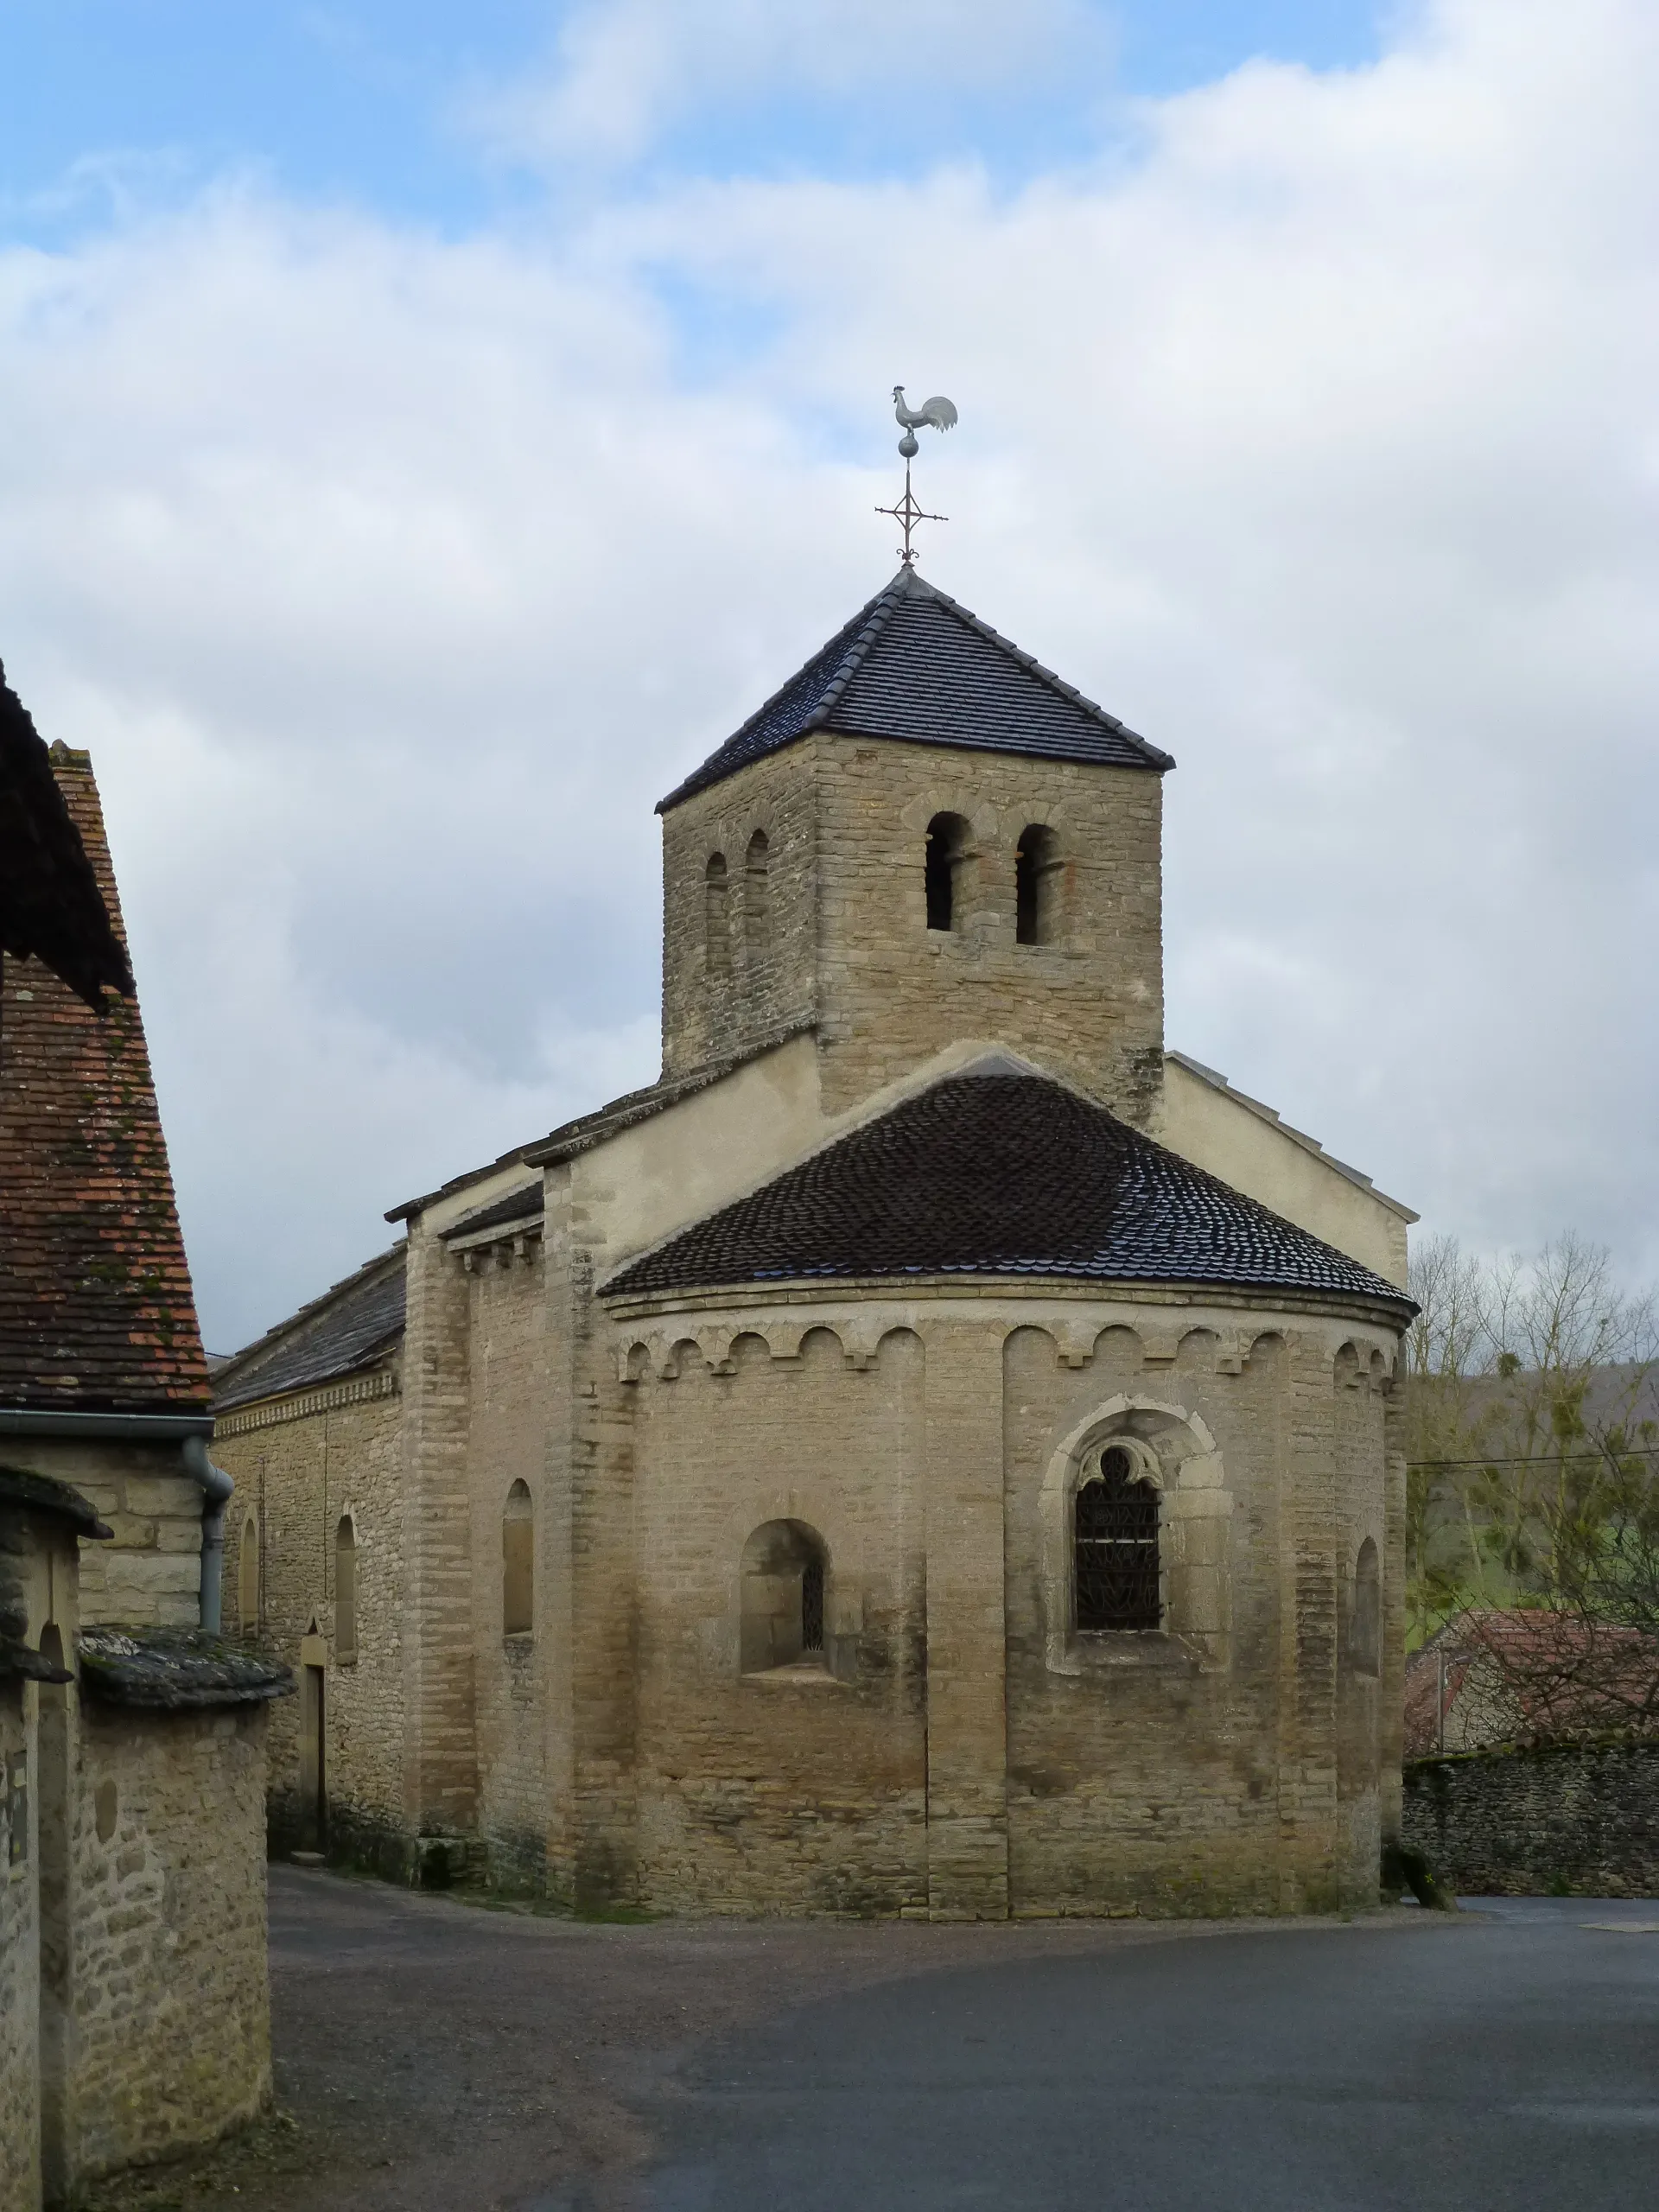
520 1206
348 1328
1000 1174
97 1313
915 665
23 1490
50 906
175 1670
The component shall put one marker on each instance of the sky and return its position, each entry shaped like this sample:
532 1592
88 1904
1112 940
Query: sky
427 431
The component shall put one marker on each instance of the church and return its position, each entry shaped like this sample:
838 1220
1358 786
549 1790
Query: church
935 1452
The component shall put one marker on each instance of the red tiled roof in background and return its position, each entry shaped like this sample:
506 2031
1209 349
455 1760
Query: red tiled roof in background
97 1311
1556 1677
50 909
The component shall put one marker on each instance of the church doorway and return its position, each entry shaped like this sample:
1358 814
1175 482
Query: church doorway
314 1803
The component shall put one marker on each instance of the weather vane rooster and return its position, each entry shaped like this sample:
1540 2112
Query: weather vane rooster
936 414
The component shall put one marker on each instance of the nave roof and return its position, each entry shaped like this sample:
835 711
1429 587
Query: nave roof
349 1327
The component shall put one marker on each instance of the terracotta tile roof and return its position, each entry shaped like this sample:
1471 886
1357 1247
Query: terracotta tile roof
1001 1172
50 909
915 665
97 1313
1496 1675
349 1327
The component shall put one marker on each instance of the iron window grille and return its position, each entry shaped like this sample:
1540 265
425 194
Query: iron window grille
1116 1547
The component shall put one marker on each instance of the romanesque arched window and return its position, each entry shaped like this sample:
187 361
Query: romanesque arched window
247 1576
1116 1565
519 1562
757 901
947 847
716 917
345 1589
1365 1637
783 1572
1037 881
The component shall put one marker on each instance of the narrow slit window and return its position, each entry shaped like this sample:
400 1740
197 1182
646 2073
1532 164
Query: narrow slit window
519 1563
757 901
1365 1642
946 849
812 1605
1116 1547
247 1575
345 1589
716 914
1037 881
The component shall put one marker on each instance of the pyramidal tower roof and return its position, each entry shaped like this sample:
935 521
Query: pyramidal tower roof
916 665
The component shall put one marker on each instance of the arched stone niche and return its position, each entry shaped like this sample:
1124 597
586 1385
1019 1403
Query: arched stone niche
1173 1449
661 1353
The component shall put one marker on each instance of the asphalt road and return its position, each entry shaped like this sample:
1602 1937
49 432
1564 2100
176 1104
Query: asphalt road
1512 2060
432 2056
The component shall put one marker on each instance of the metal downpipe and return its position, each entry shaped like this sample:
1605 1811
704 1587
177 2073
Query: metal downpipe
216 1487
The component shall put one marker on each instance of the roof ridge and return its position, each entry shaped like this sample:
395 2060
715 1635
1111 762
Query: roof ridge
862 630
880 610
305 1313
965 614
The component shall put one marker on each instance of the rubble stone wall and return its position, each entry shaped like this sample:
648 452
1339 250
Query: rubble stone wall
1569 1819
171 1995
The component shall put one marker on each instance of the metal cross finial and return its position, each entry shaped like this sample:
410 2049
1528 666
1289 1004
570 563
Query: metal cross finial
907 512
937 414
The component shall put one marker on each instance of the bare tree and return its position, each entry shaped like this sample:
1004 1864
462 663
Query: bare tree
1534 1481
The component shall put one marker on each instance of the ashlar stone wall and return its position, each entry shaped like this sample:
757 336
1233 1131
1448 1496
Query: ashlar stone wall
148 1575
796 1789
740 962
300 1465
961 1750
506 1444
845 822
1089 1005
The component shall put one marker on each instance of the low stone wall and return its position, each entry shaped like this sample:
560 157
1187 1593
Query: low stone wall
1569 1818
172 2011
20 1994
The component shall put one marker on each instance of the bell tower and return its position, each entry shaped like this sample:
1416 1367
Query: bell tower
923 838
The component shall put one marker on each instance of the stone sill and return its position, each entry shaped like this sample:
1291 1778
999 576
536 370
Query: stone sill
1107 1651
796 1677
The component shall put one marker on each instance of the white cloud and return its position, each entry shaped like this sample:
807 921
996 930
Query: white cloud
392 580
623 73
